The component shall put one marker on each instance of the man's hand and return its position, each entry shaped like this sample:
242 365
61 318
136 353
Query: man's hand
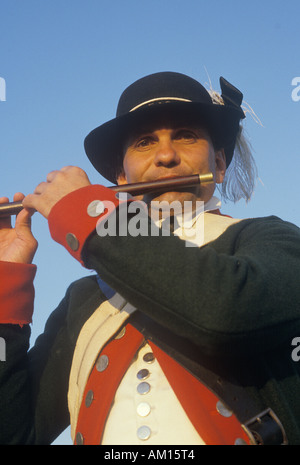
17 244
58 185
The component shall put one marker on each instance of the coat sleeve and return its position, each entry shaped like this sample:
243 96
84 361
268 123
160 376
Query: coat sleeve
236 295
239 294
34 383
23 410
16 292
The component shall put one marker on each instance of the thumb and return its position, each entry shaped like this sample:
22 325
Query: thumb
23 221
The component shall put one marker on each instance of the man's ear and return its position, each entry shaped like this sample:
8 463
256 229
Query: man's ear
220 161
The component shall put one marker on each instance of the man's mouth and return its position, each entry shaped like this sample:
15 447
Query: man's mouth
177 186
173 175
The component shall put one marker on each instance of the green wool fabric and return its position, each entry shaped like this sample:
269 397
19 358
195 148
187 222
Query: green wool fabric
236 300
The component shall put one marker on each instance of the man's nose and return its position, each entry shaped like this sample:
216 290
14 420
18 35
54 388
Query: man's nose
167 154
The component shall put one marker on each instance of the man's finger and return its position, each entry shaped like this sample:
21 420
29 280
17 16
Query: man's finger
40 188
30 201
52 175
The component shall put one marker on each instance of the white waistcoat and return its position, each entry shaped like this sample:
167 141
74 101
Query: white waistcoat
153 417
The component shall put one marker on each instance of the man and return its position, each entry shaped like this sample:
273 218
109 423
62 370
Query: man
166 344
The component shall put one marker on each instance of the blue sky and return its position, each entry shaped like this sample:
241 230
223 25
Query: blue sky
66 62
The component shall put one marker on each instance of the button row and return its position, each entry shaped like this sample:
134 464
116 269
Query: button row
101 365
143 409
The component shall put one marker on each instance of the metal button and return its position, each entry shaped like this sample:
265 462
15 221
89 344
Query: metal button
143 388
223 410
143 374
89 398
143 433
102 363
149 357
95 208
121 333
240 442
72 241
79 440
143 409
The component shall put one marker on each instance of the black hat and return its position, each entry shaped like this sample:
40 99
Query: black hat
165 95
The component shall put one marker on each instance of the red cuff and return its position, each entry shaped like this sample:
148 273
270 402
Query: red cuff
16 293
74 218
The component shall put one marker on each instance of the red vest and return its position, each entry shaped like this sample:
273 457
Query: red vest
199 403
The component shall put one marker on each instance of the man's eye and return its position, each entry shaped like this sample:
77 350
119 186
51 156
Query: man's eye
186 135
144 142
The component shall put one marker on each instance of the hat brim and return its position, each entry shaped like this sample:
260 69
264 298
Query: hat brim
104 145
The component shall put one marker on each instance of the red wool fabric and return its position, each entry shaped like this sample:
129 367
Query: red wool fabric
16 293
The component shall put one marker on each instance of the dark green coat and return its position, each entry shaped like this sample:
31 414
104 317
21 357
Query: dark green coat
236 301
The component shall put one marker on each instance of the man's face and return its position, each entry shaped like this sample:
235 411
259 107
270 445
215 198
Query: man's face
171 152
